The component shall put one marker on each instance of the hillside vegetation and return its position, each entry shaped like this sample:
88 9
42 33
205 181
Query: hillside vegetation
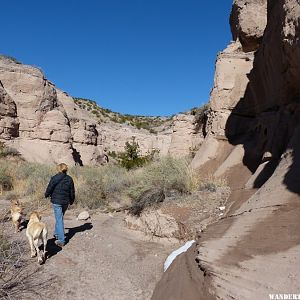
105 115
153 124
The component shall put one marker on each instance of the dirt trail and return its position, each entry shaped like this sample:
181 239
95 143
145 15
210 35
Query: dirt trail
103 260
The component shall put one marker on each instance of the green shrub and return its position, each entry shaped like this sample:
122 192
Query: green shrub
112 154
131 157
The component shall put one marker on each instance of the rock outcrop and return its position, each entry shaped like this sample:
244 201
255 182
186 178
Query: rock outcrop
248 21
154 223
38 110
9 124
45 124
252 139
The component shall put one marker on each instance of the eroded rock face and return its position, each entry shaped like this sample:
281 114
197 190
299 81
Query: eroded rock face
233 67
9 124
50 126
248 21
45 125
253 134
185 137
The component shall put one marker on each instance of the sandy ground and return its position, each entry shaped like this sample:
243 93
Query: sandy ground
102 260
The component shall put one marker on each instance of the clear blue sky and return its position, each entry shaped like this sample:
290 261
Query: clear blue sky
149 57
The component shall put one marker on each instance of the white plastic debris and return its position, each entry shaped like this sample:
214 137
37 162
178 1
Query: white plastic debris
222 208
175 253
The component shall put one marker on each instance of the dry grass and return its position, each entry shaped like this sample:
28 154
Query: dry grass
211 183
17 279
10 263
29 181
96 187
168 174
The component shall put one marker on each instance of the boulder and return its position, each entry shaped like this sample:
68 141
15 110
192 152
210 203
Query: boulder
248 21
83 216
154 223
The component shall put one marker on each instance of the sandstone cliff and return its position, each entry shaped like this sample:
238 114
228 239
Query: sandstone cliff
46 125
252 139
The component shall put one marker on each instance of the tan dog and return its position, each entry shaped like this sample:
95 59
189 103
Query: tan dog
16 212
36 231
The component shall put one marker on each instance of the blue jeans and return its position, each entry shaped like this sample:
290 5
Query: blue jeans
59 212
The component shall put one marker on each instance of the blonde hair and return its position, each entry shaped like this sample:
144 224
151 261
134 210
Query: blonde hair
62 168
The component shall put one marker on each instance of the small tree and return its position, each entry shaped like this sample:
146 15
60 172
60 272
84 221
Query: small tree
131 157
132 149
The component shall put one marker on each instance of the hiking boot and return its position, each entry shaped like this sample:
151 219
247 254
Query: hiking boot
59 243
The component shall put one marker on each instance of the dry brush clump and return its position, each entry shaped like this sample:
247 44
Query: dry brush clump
27 181
5 179
212 184
97 187
19 280
10 264
169 174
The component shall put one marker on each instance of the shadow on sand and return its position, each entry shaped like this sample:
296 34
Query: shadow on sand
53 249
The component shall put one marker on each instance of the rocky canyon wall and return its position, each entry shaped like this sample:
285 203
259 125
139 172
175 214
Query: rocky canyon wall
46 126
253 142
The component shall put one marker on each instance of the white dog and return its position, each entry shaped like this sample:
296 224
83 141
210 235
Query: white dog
36 230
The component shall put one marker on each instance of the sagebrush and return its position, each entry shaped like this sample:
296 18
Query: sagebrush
97 187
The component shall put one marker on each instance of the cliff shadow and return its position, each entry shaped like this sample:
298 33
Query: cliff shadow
291 179
77 157
265 130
